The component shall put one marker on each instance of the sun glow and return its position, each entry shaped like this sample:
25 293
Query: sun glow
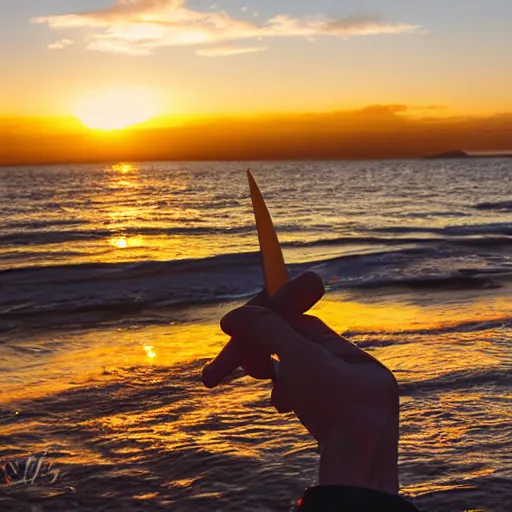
113 109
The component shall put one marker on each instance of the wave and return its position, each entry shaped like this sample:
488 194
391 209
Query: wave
59 236
456 282
60 294
476 241
499 234
460 379
496 228
458 327
42 236
504 206
42 224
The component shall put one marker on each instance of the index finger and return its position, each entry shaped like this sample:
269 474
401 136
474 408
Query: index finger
263 329
231 355
296 296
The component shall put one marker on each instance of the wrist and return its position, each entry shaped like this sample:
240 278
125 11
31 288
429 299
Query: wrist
348 466
324 498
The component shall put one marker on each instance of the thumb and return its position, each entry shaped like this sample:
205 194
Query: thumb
265 330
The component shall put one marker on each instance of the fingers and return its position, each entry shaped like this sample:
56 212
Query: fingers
232 355
298 296
317 331
313 329
290 302
262 329
294 298
279 399
304 365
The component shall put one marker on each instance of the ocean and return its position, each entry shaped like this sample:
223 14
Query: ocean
113 279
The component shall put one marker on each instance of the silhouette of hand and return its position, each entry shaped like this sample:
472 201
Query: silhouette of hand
346 399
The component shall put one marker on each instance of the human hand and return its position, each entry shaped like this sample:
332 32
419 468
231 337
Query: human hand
295 298
346 399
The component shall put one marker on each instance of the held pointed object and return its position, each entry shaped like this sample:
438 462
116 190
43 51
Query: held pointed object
274 268
276 275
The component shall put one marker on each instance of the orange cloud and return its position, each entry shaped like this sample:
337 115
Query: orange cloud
379 131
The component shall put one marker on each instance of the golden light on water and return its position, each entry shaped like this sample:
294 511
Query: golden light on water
123 168
120 242
150 352
343 313
136 391
122 178
124 242
116 108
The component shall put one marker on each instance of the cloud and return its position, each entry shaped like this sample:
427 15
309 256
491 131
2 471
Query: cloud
220 51
365 25
61 44
138 27
430 107
118 46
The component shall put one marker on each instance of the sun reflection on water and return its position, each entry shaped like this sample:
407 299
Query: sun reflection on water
123 168
124 242
150 352
122 175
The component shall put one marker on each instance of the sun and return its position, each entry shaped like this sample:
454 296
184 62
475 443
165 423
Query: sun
116 108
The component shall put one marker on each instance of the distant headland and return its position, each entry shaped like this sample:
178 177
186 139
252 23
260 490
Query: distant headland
460 153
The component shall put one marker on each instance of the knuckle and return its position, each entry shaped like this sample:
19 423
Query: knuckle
315 280
312 322
262 314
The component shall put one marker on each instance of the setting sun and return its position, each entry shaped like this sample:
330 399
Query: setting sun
113 109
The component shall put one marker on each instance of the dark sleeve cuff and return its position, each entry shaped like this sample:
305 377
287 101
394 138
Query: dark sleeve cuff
334 498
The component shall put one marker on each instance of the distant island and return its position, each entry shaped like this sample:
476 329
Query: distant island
460 153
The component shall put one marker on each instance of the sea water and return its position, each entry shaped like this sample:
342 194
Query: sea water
113 279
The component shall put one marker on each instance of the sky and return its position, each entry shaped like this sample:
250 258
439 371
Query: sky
186 59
